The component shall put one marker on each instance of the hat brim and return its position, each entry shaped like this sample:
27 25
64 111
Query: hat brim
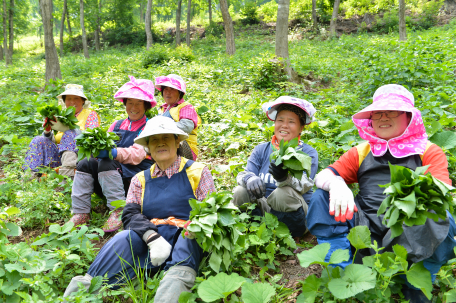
143 139
159 87
126 95
380 106
66 93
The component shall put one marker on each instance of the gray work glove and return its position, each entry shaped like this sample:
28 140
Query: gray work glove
58 126
256 186
159 249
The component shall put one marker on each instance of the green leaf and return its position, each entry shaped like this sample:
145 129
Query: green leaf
215 261
360 237
95 284
257 293
55 228
187 297
445 139
449 296
338 256
13 211
219 286
420 277
310 288
396 230
406 204
118 203
400 251
356 279
315 255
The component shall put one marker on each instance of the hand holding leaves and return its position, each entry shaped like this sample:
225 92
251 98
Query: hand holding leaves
295 161
93 141
64 116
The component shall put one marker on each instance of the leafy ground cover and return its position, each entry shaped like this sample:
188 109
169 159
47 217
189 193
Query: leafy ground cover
340 77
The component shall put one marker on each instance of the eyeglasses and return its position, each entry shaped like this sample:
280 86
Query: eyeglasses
388 114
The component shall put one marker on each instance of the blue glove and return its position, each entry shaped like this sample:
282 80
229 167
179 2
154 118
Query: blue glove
104 154
256 186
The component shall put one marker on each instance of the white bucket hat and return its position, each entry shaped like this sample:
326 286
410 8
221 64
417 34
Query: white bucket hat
159 125
75 90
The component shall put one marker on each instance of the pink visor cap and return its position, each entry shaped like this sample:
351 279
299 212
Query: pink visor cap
270 108
389 97
173 81
141 89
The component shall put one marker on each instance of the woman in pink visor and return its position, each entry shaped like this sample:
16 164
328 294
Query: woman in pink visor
395 133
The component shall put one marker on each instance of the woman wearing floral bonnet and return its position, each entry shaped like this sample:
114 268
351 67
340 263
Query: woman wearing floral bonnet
395 133
52 151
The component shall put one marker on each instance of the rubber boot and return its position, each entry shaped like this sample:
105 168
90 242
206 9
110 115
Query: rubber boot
176 280
112 186
81 193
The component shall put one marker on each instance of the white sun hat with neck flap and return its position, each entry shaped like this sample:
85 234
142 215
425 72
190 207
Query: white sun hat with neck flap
159 125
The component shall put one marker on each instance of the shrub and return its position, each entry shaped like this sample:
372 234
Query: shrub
215 29
161 53
268 11
388 23
267 72
249 14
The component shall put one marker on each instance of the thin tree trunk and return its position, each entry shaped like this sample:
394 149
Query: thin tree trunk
1 53
52 59
332 25
11 28
84 35
210 11
281 37
148 25
5 35
229 29
68 19
402 27
62 25
189 18
178 22
97 30
314 15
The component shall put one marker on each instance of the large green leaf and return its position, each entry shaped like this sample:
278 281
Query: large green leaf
446 139
315 255
450 296
215 261
360 237
55 228
420 277
406 204
357 278
339 256
219 286
257 293
310 288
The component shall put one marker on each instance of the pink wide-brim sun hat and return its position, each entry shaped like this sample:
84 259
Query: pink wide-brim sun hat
389 97
173 81
141 89
270 108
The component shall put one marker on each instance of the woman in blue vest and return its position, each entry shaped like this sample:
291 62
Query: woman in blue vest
154 216
111 178
269 185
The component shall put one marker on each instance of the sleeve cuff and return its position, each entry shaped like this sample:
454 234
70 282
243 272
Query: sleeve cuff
147 234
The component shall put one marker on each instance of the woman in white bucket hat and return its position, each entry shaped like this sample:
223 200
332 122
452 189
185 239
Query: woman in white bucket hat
60 150
173 89
156 211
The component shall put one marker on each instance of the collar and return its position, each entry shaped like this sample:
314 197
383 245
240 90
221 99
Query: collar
170 171
165 105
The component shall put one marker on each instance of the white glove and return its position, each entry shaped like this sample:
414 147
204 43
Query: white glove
341 201
58 126
159 250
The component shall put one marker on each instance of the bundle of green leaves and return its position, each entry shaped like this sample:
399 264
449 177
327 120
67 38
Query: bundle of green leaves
296 161
92 141
218 227
413 197
65 116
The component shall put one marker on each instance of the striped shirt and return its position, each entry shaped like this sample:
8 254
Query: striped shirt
205 186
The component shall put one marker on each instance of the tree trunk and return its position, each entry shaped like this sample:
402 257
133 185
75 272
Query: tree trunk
5 35
314 15
178 22
189 18
11 28
62 25
84 35
402 27
148 25
332 25
1 53
52 59
97 30
210 11
229 29
68 19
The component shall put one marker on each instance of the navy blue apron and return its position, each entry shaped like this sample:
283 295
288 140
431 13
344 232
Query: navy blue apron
127 140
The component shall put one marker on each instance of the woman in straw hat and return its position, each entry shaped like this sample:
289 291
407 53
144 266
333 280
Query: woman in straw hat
60 150
173 89
395 133
154 217
269 185
111 178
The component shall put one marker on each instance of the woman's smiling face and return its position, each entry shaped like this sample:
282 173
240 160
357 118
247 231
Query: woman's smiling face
135 108
163 147
287 126
387 128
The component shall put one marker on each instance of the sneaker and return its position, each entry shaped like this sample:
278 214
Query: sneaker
114 221
80 219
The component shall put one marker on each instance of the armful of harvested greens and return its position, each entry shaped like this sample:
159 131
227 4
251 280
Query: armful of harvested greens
413 197
64 116
218 228
92 141
295 161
